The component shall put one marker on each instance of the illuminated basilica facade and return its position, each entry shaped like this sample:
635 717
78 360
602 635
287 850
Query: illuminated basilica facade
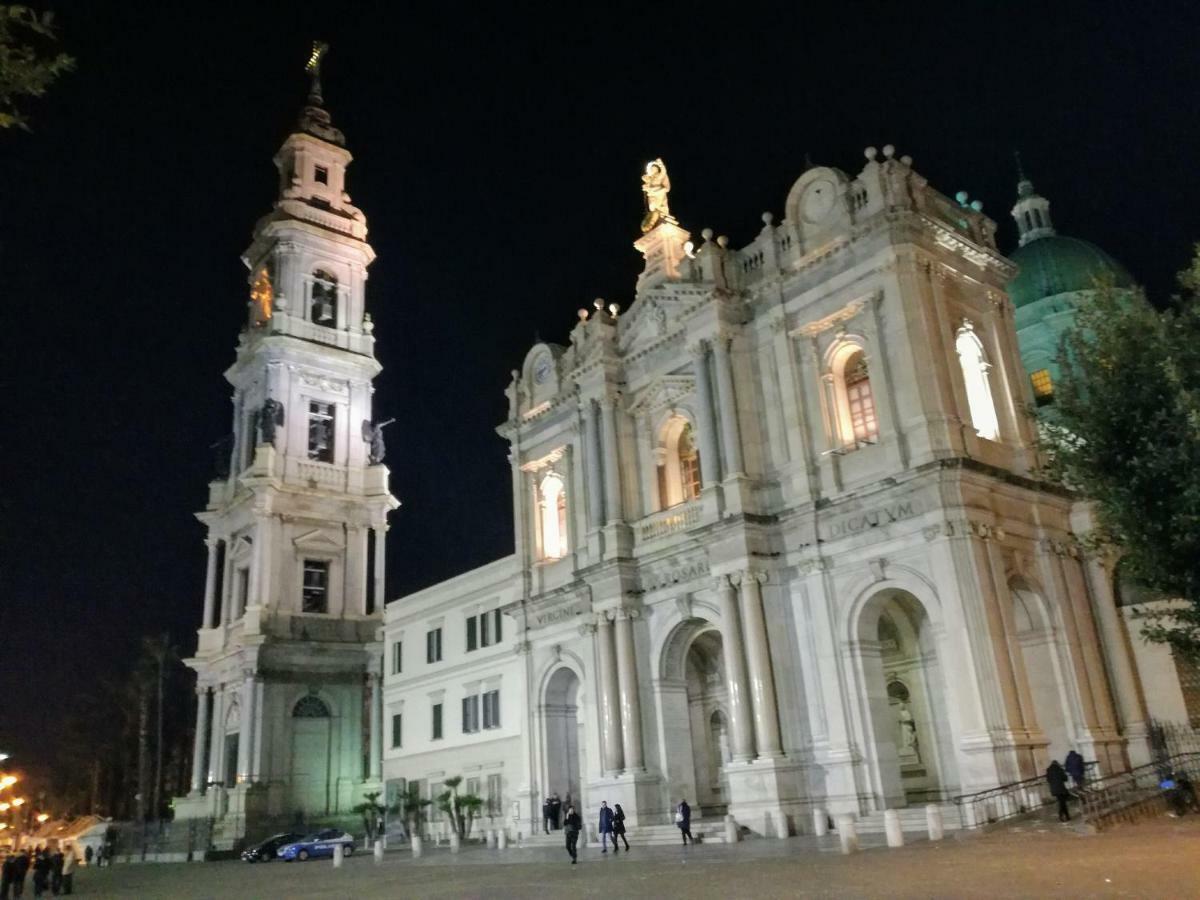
779 540
288 720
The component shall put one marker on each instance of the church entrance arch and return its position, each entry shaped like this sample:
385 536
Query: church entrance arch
563 736
1043 665
312 732
905 695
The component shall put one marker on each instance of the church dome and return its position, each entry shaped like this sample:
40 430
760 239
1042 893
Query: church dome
1056 264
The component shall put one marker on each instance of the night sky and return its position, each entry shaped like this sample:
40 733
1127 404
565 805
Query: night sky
497 158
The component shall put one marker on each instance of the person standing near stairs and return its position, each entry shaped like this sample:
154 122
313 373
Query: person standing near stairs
683 819
619 826
571 826
1056 778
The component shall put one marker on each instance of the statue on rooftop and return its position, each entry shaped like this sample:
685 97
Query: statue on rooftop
373 435
656 185
270 417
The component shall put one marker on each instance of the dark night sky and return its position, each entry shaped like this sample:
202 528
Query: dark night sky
497 160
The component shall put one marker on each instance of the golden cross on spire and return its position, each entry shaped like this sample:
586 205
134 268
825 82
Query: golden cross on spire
313 68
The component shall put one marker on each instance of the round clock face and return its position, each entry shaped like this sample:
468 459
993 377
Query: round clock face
541 370
818 200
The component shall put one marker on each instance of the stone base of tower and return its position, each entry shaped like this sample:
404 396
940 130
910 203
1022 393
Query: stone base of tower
765 796
640 796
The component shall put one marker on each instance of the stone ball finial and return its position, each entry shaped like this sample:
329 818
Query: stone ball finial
768 218
722 242
907 160
889 151
870 153
582 313
613 309
598 303
977 205
707 234
961 197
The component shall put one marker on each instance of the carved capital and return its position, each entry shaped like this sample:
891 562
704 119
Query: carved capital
626 612
812 566
520 648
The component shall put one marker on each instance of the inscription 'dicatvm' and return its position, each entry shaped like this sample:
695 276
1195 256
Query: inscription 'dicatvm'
873 518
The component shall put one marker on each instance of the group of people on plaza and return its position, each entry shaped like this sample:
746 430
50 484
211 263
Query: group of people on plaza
53 871
612 826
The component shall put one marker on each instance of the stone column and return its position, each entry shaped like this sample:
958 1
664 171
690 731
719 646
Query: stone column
740 722
758 656
592 463
198 743
246 728
379 536
1130 704
610 722
728 403
210 584
612 462
374 682
710 462
630 699
216 756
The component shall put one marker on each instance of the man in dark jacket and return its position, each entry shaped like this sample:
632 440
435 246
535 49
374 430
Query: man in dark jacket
683 819
1056 778
1074 766
546 815
606 828
56 871
572 826
21 864
555 812
7 871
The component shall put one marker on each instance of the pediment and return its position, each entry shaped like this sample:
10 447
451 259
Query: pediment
664 391
317 540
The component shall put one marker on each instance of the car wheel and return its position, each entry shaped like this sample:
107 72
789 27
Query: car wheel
349 850
303 854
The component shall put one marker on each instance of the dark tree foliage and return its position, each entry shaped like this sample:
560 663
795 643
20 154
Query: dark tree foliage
28 62
1127 436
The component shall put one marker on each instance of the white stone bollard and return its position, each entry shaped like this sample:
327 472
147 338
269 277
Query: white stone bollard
502 839
455 841
847 833
933 821
491 838
820 822
731 830
417 845
891 824
339 853
379 851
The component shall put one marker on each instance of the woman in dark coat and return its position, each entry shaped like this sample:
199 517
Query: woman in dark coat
619 826
1074 767
1056 778
683 819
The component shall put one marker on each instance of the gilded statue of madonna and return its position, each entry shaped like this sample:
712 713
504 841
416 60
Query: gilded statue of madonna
656 185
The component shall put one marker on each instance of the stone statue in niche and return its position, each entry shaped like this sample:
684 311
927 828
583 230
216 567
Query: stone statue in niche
270 417
656 185
909 743
373 435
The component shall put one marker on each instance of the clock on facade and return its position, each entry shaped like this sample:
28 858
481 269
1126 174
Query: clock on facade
818 200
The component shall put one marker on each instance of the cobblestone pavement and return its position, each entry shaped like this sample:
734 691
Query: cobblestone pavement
1155 859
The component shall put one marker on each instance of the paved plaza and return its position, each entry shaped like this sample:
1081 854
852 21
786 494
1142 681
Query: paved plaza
1157 859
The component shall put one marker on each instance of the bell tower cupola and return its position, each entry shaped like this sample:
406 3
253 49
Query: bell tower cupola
1032 210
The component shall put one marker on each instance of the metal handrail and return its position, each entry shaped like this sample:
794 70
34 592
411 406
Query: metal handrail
1006 801
1122 790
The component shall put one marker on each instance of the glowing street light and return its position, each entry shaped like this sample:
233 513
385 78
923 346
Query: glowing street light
5 807
42 817
20 801
7 781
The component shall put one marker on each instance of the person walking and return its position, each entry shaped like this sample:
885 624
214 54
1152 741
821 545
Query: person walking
56 867
41 873
88 852
606 828
22 867
619 826
556 809
7 871
1056 778
571 826
546 815
70 860
683 819
1074 766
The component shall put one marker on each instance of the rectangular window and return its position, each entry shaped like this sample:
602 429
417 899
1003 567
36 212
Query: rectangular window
472 635
315 597
321 175
470 714
473 787
433 645
1043 387
491 709
496 630
243 590
485 629
397 733
397 658
436 729
494 800
320 431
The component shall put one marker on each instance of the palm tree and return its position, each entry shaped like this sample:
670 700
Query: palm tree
160 652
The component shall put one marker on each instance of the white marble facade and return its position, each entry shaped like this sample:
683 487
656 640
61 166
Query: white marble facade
288 660
779 540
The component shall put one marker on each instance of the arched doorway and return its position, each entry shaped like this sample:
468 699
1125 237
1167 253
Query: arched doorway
1035 634
704 680
564 738
905 692
311 735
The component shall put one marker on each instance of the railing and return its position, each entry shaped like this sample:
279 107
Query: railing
1008 800
669 521
1136 791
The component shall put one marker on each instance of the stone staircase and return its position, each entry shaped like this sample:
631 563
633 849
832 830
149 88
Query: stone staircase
912 820
708 831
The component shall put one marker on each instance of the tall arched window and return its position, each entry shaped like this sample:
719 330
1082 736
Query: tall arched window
975 377
679 463
323 307
854 415
552 516
310 707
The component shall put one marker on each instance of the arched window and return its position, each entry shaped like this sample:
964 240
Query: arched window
678 463
975 377
310 707
855 419
552 516
323 307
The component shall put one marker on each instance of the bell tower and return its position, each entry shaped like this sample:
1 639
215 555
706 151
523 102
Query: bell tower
288 667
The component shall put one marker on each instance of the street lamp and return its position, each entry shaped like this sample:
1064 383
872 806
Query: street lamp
20 801
42 817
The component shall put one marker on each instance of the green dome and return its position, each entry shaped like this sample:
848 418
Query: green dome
1056 264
